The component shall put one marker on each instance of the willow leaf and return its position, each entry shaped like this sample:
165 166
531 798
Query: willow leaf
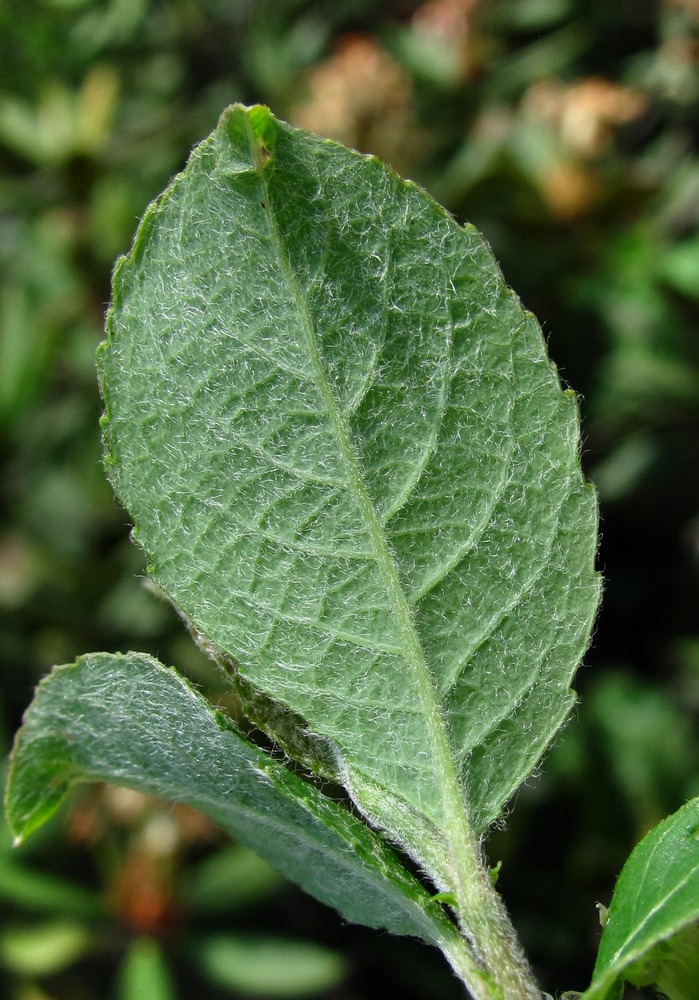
655 904
130 720
354 471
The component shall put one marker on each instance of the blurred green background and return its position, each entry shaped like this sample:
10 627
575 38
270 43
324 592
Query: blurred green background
568 132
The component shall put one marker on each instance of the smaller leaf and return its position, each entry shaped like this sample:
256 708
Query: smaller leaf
269 967
130 720
228 881
44 949
42 893
679 267
655 898
144 974
672 966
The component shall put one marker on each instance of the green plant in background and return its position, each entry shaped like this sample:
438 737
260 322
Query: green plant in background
354 472
566 131
152 878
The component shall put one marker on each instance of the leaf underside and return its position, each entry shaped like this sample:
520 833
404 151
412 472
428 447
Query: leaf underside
352 467
130 720
656 898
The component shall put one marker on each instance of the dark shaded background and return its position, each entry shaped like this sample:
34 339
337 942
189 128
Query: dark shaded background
568 132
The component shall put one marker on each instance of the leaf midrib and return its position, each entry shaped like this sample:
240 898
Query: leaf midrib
456 828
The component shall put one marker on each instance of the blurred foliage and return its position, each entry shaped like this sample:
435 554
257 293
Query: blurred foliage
568 132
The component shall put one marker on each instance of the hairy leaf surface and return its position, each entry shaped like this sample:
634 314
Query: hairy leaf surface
353 469
655 898
130 720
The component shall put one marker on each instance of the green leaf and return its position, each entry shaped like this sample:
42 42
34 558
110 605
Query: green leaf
672 966
354 471
655 898
268 966
679 267
130 720
35 890
144 974
44 949
228 881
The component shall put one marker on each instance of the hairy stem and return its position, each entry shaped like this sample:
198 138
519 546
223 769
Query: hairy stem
501 969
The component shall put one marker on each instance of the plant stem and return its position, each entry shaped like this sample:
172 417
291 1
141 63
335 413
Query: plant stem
479 984
501 969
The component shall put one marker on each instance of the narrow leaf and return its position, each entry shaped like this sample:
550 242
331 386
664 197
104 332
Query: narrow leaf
656 897
128 719
44 949
34 890
354 471
269 967
227 882
144 973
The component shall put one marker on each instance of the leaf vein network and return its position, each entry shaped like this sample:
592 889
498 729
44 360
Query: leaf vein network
462 551
510 606
432 440
455 820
